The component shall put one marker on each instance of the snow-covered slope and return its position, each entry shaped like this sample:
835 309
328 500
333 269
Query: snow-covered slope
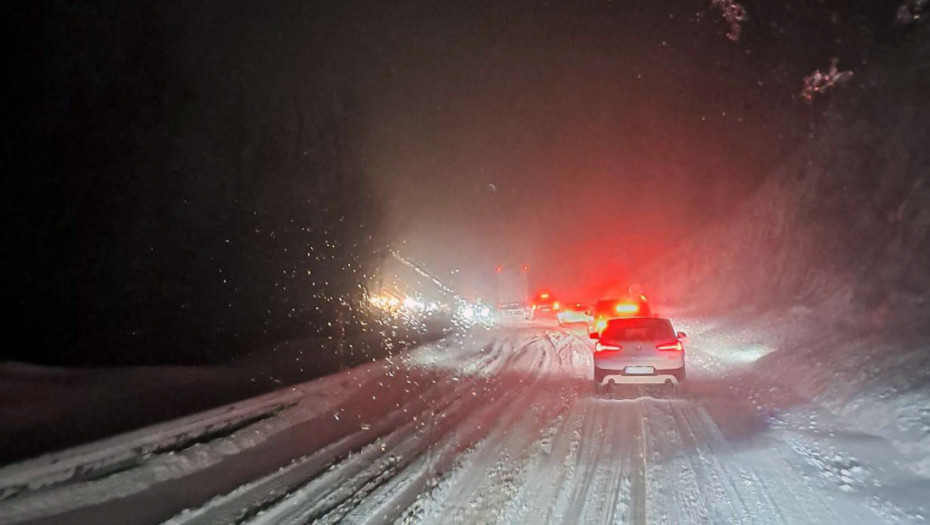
844 219
823 273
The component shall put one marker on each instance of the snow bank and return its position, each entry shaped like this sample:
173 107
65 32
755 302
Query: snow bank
93 460
824 269
102 471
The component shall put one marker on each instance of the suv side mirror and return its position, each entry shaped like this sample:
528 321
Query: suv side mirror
594 335
682 335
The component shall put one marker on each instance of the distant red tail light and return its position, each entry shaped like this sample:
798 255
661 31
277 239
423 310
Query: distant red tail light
671 346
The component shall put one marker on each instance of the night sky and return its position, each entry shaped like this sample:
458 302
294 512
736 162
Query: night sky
585 138
170 165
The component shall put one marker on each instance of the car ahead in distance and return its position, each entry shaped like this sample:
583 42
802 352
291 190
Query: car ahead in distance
515 310
607 309
574 313
544 306
639 351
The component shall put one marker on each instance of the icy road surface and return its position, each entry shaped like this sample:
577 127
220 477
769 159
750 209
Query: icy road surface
498 426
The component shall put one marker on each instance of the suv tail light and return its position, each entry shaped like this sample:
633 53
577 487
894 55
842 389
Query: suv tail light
670 346
598 347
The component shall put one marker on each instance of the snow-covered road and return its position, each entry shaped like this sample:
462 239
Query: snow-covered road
499 426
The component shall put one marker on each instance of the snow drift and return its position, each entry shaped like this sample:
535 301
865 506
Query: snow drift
826 264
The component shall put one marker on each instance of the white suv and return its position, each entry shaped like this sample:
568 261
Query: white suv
639 350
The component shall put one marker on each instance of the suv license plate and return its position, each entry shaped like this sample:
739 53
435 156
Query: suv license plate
639 370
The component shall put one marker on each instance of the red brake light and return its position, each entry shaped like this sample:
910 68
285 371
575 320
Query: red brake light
670 346
598 347
555 305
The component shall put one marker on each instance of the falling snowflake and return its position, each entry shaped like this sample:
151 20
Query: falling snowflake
735 14
911 11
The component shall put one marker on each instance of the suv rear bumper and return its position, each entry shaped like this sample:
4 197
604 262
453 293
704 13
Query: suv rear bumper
604 376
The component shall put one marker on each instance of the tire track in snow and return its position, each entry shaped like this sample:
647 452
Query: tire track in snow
546 499
697 473
462 425
507 462
537 499
602 489
674 495
496 466
521 436
424 401
500 464
640 484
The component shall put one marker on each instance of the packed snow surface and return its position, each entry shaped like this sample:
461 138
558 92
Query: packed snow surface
498 425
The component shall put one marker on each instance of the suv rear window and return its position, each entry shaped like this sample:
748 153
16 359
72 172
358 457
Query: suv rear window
638 330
